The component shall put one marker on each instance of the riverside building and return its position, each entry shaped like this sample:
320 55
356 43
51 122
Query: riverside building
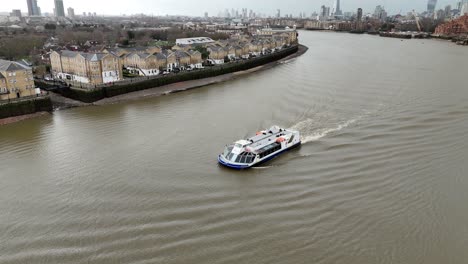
16 80
89 68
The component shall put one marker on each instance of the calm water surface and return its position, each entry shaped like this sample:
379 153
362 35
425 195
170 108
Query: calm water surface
382 176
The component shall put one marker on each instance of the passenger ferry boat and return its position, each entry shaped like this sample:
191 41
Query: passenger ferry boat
262 147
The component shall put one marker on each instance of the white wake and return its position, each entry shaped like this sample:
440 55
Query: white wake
306 125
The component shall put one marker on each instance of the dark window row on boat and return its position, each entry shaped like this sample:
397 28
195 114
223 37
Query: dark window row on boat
245 157
265 151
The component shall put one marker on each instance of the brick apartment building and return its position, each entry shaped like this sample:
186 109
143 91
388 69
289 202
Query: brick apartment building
457 26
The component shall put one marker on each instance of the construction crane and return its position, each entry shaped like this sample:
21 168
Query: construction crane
416 17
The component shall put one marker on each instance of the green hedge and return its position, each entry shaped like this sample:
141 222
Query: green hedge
25 107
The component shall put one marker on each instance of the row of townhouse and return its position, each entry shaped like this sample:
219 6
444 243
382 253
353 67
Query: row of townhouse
244 48
16 80
106 66
151 64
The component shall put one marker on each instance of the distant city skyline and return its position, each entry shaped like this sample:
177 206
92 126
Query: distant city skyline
213 7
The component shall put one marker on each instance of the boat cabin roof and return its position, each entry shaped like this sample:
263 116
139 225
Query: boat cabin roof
264 138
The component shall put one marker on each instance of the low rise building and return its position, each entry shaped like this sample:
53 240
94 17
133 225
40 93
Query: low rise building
290 33
90 68
195 58
119 52
457 26
182 58
16 80
217 54
171 59
194 41
255 47
230 51
144 64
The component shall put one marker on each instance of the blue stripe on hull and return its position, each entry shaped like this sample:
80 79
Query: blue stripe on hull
242 167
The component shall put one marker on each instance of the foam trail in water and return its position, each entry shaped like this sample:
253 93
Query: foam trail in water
261 168
304 126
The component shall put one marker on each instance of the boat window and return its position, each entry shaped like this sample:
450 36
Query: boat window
243 159
238 159
291 140
239 146
268 150
227 151
229 157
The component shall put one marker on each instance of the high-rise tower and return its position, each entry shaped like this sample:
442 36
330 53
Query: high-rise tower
33 9
431 5
59 9
359 14
337 9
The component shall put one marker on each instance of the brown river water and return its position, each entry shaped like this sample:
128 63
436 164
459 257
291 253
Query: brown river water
382 176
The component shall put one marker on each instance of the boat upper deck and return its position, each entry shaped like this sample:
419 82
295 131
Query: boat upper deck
267 137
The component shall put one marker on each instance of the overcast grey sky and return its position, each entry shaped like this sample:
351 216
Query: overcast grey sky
198 7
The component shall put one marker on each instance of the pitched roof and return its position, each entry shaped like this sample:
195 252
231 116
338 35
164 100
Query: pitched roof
1 76
214 48
144 55
167 52
12 66
181 54
86 56
193 52
160 56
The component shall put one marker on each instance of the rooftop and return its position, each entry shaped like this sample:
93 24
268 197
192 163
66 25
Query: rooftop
12 66
199 40
87 56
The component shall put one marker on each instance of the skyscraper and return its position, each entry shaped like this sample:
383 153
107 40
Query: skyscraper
33 9
464 8
431 5
71 12
359 14
59 9
337 9
380 13
324 12
448 11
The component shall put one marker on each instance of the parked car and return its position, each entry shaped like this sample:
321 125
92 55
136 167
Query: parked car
209 63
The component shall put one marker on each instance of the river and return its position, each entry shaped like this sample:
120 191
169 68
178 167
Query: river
381 176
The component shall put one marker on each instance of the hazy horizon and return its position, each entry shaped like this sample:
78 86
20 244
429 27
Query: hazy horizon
189 8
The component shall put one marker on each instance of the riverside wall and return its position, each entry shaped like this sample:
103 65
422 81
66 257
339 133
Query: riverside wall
25 106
